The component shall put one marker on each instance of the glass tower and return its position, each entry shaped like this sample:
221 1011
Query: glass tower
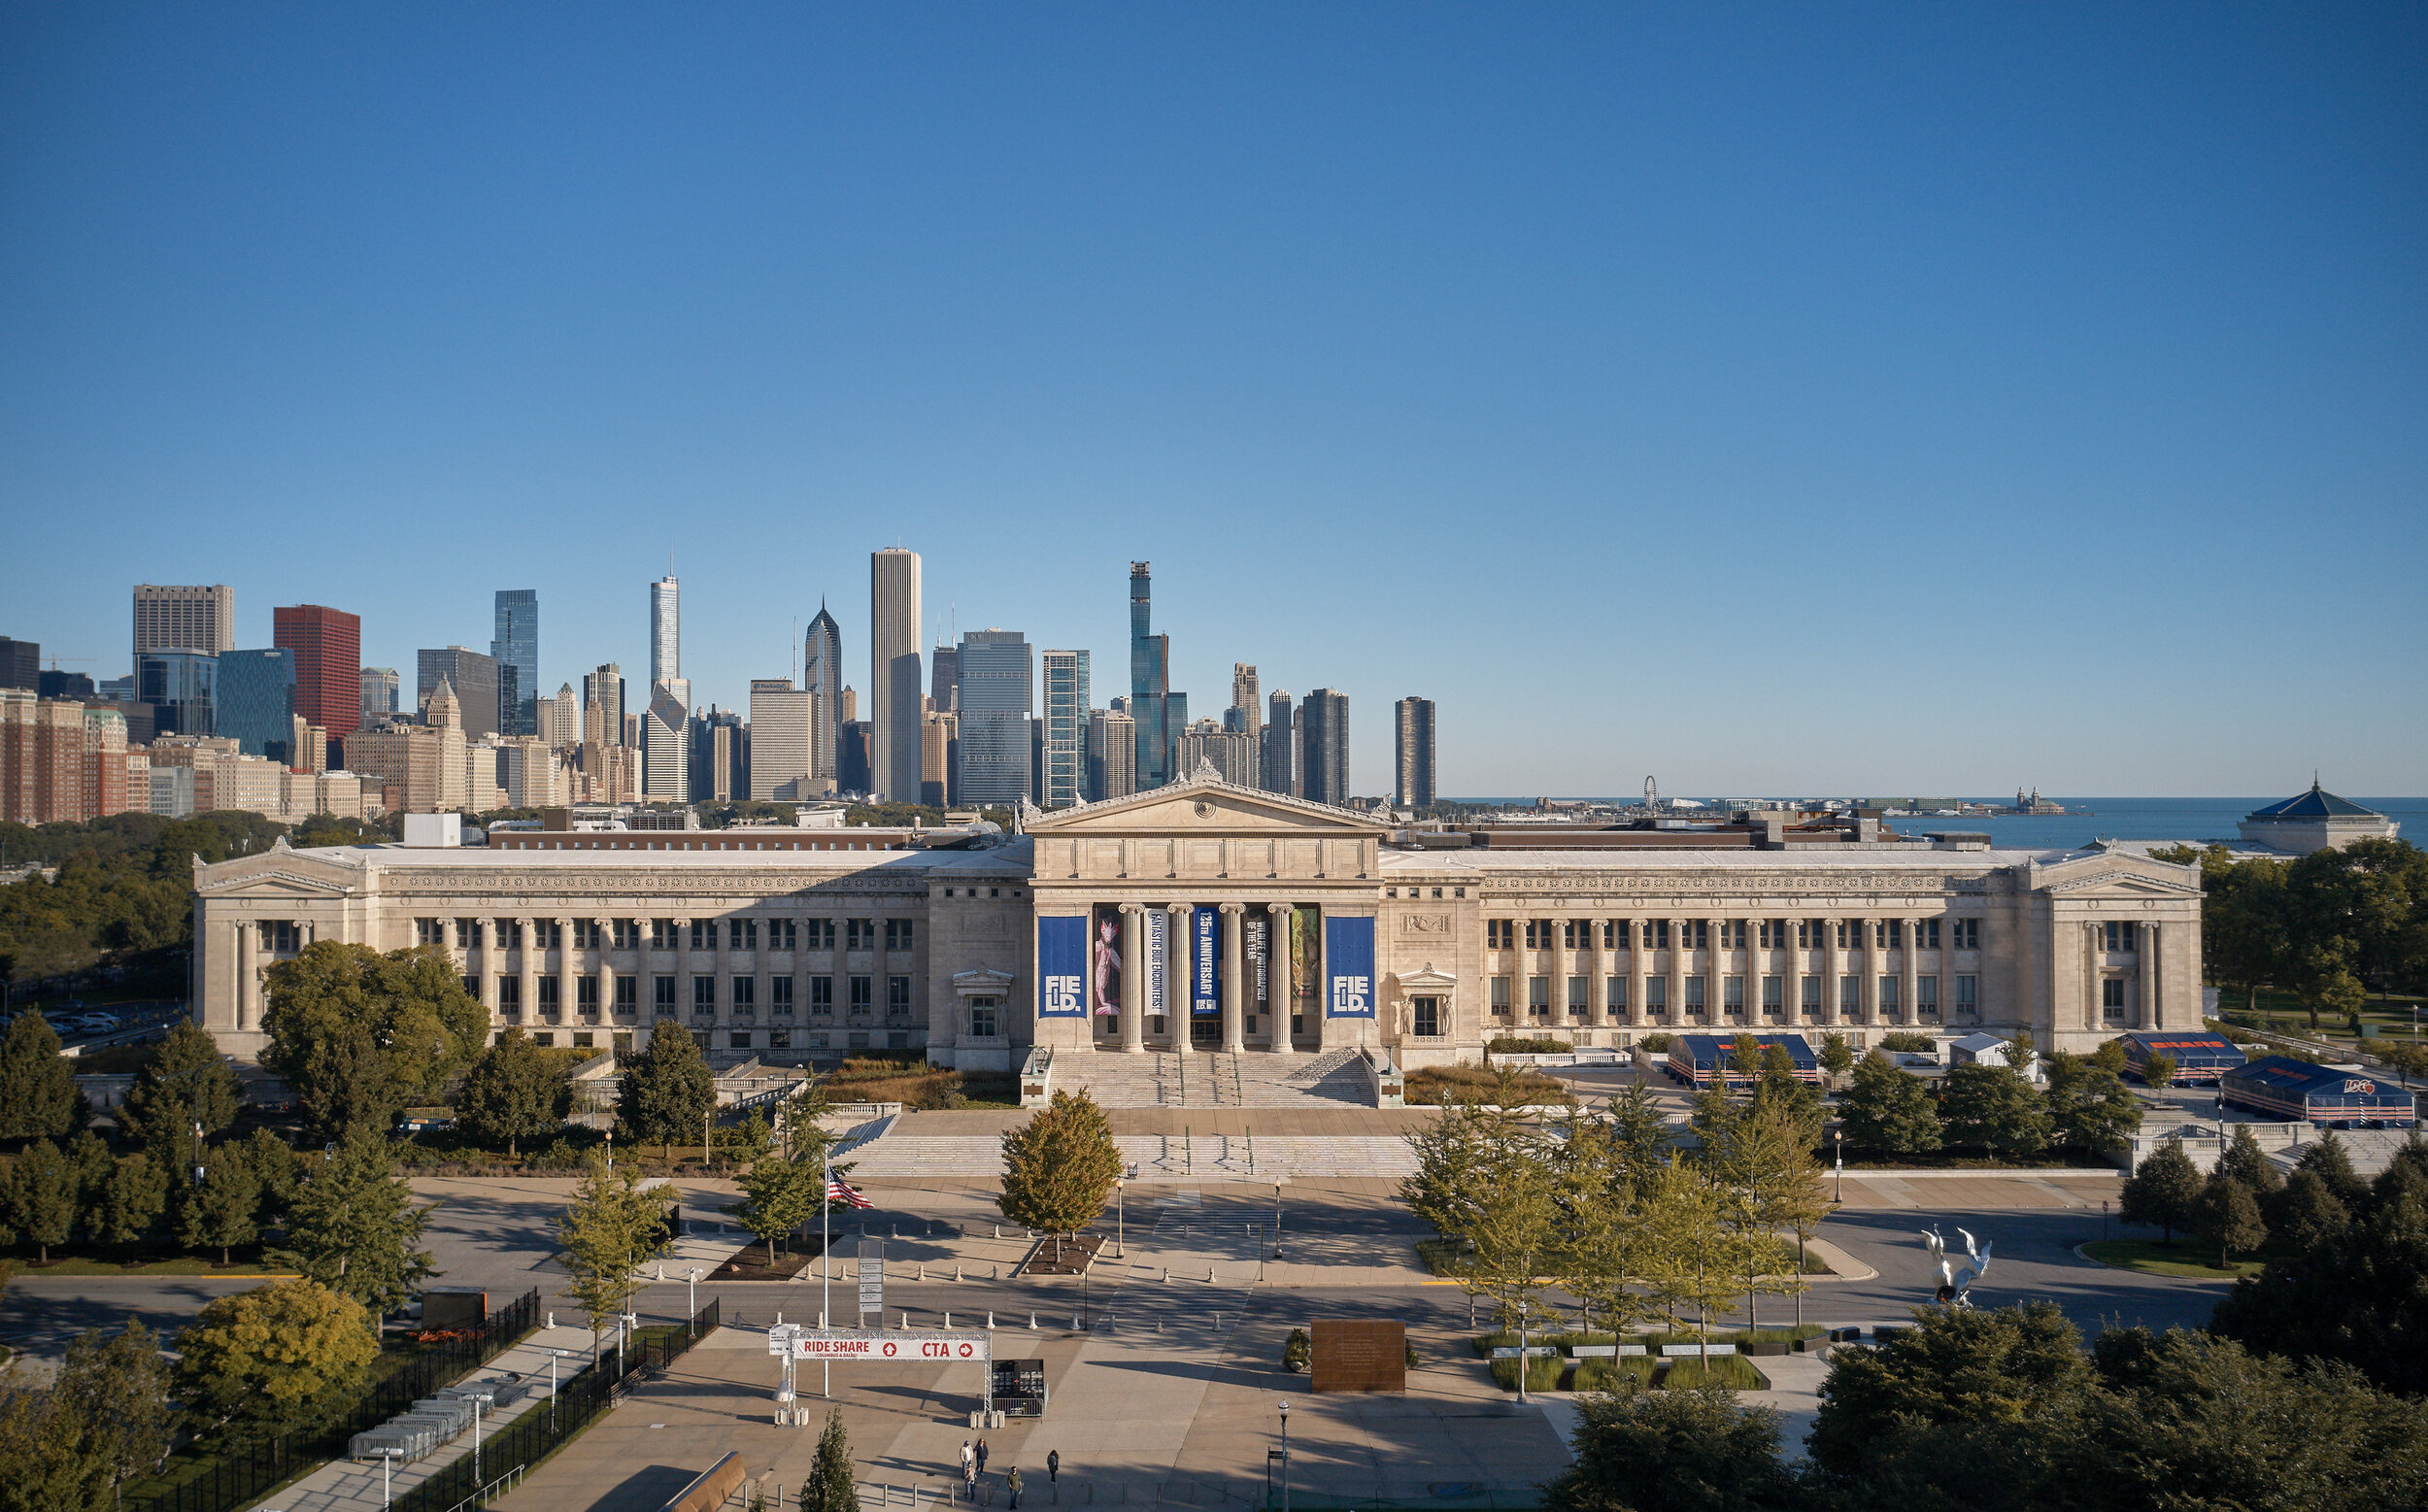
1065 775
256 703
997 695
516 651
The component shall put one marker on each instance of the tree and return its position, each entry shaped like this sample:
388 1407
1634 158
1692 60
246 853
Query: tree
116 1385
225 1209
778 1197
41 1198
2089 1106
1597 1193
37 1087
2227 1216
1887 1110
2245 1162
277 1173
139 1193
1639 1132
2012 1365
359 1034
831 1486
2243 922
2304 1211
2109 1057
1674 1451
611 1225
668 1092
2158 1070
51 1460
184 1082
91 1164
1837 1057
1060 1166
2327 983
353 1223
273 1359
2358 1295
2161 1190
1993 1106
2332 1164
1684 1249
511 1094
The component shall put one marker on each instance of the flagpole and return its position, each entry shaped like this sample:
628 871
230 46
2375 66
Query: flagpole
826 1260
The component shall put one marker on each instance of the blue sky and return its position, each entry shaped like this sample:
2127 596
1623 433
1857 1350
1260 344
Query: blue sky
1789 398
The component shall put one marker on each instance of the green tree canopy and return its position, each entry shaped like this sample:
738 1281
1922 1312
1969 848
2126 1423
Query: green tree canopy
609 1228
1674 1451
224 1208
1888 1110
1059 1167
138 1198
37 1085
41 1198
2162 1190
116 1385
2013 1366
778 1196
2304 1210
184 1082
511 1094
667 1090
357 1034
1994 1107
2331 1162
2358 1295
2089 1106
2248 1164
272 1359
1836 1056
831 1486
2226 1217
353 1225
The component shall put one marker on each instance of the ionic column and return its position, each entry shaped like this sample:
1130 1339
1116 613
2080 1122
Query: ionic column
2091 1017
1555 945
2145 995
1792 980
606 971
721 930
682 953
1832 1011
247 940
527 963
1909 973
1133 978
566 1009
487 943
1177 1004
1678 940
1639 954
1234 985
1280 993
1721 957
1597 985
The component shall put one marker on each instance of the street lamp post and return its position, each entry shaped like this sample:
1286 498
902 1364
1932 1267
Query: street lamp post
1121 1219
1521 1349
553 1355
1285 1456
694 1323
1838 1139
1277 1183
479 1399
388 1460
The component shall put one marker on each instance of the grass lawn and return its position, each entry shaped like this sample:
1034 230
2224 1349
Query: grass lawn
175 1265
2187 1259
1438 1086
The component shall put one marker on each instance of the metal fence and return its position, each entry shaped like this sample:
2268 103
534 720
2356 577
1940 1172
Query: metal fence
232 1479
508 1454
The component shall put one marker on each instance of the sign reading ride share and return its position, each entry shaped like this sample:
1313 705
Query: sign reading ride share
909 1345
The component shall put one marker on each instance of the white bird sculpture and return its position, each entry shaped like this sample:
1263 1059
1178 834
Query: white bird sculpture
1956 1279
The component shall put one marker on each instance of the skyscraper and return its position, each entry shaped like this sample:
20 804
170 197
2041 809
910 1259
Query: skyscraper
894 674
666 632
1112 755
605 689
255 702
327 644
1280 772
21 664
474 679
821 676
780 718
1161 715
1243 698
185 618
380 688
944 679
516 651
1066 771
1412 720
998 695
1324 747
180 687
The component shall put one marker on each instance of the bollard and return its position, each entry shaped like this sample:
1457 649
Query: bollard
1209 1275
948 1319
1032 1321
996 1229
1159 1324
552 1320
923 1270
998 1270
1167 1273
989 1320
957 1270
906 1319
1074 1323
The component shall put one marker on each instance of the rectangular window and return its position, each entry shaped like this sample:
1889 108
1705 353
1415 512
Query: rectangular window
820 934
746 993
898 935
1842 934
779 1039
1926 934
1693 994
1926 996
1610 939
982 1018
703 934
1538 998
661 996
586 934
780 934
663 935
552 1000
1731 934
1500 996
1657 934
780 995
742 935
1968 993
1496 933
1733 994
864 993
738 1039
507 932
627 997
468 934
584 1040
510 996
860 934
1568 933
1616 988
1534 934
585 994
2121 934
429 931
1424 1017
1774 997
1812 998
1698 934
625 934
1893 933
822 995
703 994
1850 997
1580 997
896 996
544 1040
1888 995
2111 997
1968 934
548 934
1657 997
471 986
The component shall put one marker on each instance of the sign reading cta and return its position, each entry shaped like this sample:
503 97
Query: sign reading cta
1349 968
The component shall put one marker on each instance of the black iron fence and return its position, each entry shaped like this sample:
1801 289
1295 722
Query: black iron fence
509 1452
230 1480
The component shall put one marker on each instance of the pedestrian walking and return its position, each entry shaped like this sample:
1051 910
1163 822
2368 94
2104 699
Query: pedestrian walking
969 1480
968 1459
1011 1482
1053 1465
982 1456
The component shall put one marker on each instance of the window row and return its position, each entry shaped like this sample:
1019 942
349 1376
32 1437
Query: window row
1736 935
1578 1000
665 935
736 1039
741 994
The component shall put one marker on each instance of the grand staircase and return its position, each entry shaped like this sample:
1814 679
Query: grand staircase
1257 1079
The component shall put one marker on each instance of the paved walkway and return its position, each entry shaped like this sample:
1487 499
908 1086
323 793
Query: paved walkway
345 1486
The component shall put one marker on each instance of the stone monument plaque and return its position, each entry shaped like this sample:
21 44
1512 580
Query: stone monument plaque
1358 1355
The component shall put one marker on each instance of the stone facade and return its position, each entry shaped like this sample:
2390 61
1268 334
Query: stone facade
786 942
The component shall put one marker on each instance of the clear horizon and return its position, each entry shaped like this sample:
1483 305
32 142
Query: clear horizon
1775 401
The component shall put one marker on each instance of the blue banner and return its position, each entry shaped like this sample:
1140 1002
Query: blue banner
1206 979
1158 935
1062 968
1349 968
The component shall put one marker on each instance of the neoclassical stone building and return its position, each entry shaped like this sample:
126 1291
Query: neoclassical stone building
1208 918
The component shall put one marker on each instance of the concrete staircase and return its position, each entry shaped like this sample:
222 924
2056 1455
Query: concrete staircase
1258 1079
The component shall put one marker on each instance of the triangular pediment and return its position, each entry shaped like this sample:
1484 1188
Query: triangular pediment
1206 807
275 874
2117 874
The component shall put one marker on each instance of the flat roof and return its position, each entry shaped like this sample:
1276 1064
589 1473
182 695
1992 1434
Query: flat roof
1013 858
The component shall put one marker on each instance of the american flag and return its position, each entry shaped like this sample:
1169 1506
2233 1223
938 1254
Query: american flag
844 1191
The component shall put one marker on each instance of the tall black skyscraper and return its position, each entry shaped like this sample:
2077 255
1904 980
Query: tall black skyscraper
1324 747
1412 722
1161 715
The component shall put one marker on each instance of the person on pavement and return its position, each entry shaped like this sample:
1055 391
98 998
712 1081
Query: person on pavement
1053 1465
982 1456
1011 1482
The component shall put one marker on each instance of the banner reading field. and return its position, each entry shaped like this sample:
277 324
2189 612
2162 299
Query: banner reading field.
1349 968
1062 968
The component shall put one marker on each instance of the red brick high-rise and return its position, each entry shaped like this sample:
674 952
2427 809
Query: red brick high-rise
327 644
